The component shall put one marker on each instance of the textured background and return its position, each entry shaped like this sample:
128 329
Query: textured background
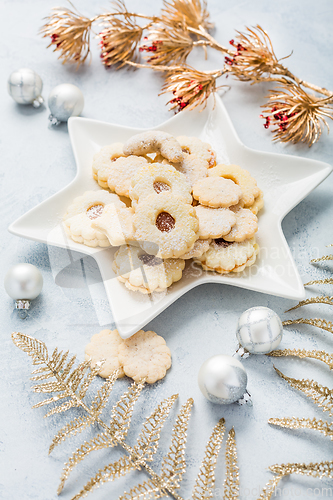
36 162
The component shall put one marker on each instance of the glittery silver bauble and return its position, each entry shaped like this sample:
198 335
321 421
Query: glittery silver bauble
259 330
64 101
25 87
222 379
23 283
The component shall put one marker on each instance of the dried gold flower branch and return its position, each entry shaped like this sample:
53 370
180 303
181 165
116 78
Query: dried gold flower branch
297 115
304 423
231 482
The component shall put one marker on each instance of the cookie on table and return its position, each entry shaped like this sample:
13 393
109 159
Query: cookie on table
199 248
194 146
165 223
104 346
120 175
145 355
154 141
156 178
83 211
226 257
241 177
193 167
246 225
217 192
103 160
145 273
117 224
214 222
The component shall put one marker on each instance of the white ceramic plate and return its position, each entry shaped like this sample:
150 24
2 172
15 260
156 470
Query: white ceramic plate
285 180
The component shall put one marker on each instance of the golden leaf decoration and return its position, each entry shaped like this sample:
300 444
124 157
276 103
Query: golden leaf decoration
109 473
323 356
74 427
321 259
318 322
304 423
231 482
145 491
326 281
54 399
320 395
60 409
313 300
122 411
205 481
319 469
148 440
34 348
174 465
99 442
270 488
103 393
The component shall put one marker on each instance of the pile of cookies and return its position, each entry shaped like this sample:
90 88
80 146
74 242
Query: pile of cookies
164 201
143 356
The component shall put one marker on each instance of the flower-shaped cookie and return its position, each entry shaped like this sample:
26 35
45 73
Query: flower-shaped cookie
246 225
143 272
214 222
241 177
194 146
166 222
225 257
83 212
104 346
157 178
102 162
145 355
217 192
121 173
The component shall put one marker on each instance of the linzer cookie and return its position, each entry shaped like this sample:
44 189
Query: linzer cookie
80 215
143 272
194 146
214 222
123 169
246 226
117 224
165 225
241 177
226 257
155 179
217 192
102 162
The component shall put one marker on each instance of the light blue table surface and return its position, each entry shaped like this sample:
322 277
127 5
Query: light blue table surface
36 162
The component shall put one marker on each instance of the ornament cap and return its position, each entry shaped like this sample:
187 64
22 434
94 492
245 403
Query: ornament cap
22 304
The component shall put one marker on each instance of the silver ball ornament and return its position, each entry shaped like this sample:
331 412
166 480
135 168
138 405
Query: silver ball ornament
64 101
25 86
259 330
222 379
23 283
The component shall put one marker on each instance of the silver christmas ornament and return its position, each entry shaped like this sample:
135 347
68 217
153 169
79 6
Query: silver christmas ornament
64 101
222 379
259 330
25 87
23 283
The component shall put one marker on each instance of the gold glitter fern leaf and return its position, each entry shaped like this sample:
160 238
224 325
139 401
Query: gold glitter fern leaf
205 481
270 488
317 322
319 469
231 483
323 356
313 300
304 423
320 395
326 281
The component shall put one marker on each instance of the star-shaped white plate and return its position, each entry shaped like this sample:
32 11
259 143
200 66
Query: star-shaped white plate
285 181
